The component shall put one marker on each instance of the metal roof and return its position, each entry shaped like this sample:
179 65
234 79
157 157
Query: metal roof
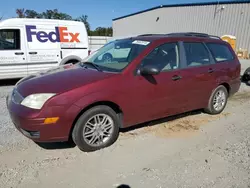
186 4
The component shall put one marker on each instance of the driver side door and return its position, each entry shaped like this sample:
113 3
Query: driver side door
163 94
13 60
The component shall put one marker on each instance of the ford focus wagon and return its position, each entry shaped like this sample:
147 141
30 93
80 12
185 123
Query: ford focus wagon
126 82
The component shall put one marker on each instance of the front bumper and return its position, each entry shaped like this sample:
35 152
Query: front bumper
31 122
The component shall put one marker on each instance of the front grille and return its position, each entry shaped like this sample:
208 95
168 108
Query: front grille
16 97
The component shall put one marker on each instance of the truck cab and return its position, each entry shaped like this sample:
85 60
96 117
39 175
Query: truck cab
29 46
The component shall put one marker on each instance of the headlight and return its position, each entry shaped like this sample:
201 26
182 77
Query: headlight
36 101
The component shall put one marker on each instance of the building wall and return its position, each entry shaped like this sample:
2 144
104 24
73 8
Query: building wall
233 19
96 42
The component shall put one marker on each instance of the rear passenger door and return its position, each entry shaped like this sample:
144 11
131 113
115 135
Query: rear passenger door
227 67
198 74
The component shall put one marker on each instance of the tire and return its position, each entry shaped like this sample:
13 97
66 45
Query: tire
107 57
72 61
83 142
246 75
211 109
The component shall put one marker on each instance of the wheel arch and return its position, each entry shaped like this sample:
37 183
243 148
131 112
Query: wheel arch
227 86
70 58
110 104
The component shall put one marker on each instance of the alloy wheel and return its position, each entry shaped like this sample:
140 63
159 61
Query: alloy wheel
98 130
219 100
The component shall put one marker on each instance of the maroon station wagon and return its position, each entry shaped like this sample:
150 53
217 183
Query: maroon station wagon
126 82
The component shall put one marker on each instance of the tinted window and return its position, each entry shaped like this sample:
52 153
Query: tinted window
196 54
165 57
220 52
9 39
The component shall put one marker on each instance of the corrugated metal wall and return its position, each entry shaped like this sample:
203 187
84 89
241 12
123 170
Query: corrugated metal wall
231 19
96 42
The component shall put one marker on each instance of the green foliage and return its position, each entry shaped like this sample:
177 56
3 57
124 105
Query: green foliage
31 14
55 14
102 31
20 13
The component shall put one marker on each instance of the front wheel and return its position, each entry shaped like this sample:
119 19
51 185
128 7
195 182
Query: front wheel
97 128
217 101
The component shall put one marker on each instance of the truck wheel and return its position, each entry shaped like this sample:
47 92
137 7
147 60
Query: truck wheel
96 128
74 61
217 101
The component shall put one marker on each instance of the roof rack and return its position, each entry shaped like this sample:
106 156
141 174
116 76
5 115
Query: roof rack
193 34
143 35
188 34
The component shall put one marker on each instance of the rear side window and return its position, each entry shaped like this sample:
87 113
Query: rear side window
220 52
196 54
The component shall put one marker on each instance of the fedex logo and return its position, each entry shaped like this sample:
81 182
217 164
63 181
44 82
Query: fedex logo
60 34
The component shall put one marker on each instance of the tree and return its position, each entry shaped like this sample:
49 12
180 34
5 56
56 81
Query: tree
102 31
55 14
48 14
84 19
32 14
20 13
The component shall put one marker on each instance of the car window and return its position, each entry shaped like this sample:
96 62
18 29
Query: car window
196 54
220 52
9 39
116 55
165 57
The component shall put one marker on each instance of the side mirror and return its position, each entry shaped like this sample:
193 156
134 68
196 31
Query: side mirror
149 70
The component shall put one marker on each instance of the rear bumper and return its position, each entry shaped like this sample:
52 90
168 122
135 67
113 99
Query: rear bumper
234 87
31 124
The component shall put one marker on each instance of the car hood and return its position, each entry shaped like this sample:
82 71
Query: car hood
59 80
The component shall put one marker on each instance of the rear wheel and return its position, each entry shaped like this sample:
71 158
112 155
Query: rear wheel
97 128
217 101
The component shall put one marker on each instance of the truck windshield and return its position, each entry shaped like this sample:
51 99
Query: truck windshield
117 55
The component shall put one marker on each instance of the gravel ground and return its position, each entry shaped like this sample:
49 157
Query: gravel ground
191 150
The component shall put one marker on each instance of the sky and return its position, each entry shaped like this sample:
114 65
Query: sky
100 12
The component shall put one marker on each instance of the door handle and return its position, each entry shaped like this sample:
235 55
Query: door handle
210 70
19 53
32 52
176 77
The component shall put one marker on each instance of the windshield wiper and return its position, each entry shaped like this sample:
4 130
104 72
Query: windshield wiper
92 64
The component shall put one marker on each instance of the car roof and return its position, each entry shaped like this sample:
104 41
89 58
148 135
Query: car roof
178 36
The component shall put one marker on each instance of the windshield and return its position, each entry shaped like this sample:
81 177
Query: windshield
116 55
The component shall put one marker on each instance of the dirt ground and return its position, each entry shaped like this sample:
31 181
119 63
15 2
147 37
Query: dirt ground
189 150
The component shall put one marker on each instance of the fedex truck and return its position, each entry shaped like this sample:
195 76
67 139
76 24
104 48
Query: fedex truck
29 46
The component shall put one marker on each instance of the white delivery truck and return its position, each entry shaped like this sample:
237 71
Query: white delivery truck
29 46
